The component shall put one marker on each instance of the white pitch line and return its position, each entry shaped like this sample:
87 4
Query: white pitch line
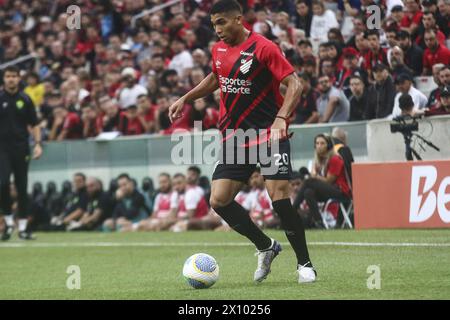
208 244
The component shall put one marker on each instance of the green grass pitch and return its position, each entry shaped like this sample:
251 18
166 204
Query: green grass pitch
414 264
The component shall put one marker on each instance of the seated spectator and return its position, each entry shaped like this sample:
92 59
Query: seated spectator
89 118
434 53
381 94
131 122
76 205
443 107
322 21
359 99
404 84
413 54
109 119
129 208
332 103
161 206
130 90
147 112
259 203
66 125
327 180
306 110
98 207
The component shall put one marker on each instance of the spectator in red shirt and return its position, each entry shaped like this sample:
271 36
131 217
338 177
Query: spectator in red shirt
375 54
412 18
66 125
435 52
328 179
131 123
89 119
147 112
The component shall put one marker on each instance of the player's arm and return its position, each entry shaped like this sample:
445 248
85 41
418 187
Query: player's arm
293 92
204 88
332 104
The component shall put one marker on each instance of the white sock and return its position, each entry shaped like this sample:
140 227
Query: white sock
9 220
23 224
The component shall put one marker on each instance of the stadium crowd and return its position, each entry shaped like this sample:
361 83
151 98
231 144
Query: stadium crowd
113 75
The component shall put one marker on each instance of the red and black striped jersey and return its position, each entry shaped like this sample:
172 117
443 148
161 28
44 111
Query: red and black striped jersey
249 78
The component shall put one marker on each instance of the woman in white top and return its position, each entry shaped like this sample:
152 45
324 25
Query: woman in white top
322 21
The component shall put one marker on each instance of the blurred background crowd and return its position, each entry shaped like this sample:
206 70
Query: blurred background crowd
118 73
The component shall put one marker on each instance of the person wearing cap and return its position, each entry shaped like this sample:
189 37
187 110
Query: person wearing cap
381 94
429 23
413 54
350 68
127 96
435 52
396 15
443 106
404 84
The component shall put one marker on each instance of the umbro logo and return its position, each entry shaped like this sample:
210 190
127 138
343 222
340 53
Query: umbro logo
245 66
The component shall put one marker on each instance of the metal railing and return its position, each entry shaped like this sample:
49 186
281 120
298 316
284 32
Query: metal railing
153 10
32 55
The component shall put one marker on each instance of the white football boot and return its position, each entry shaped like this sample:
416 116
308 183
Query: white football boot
265 259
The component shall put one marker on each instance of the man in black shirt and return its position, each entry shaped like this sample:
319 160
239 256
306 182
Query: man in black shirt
412 53
130 206
75 207
98 207
306 110
358 100
17 114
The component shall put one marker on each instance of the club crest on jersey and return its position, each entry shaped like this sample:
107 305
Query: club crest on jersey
245 65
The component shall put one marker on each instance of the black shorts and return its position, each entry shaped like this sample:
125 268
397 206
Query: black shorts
275 164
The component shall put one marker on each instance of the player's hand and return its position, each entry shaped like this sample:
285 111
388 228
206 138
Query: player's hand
175 110
278 131
37 152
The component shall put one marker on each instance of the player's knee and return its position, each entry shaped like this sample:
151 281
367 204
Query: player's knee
218 202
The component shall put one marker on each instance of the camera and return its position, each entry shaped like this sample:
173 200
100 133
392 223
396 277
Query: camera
405 124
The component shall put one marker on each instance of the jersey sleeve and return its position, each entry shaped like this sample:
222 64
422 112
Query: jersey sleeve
174 200
192 198
274 59
335 166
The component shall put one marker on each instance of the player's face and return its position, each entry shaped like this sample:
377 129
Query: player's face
164 184
227 26
179 184
11 80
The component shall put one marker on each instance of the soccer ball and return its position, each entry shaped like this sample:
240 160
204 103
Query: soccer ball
201 271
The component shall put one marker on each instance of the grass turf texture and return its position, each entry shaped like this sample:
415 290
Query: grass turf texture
126 267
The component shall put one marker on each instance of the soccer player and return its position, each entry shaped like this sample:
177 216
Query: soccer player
17 114
248 69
